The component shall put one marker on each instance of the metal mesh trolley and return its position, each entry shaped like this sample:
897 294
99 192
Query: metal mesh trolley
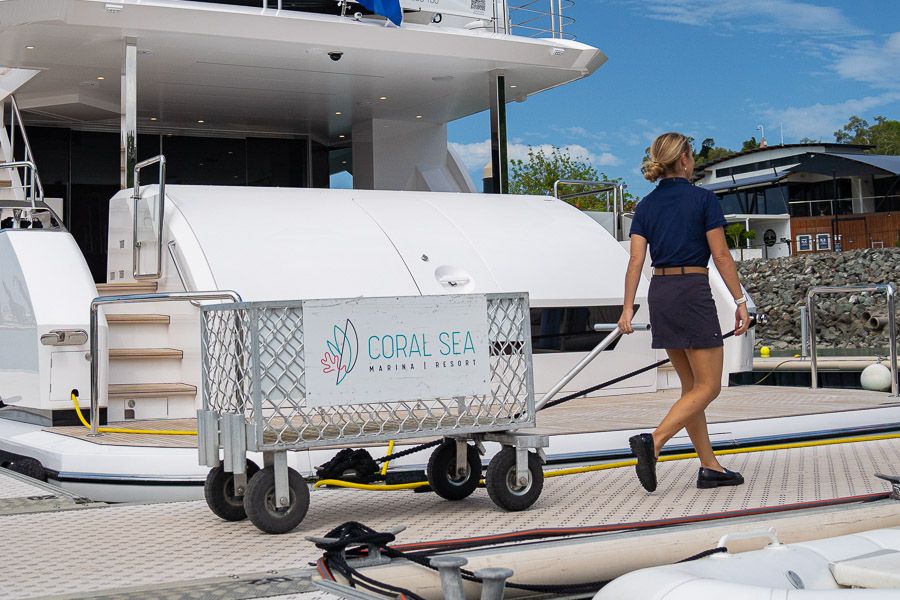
284 376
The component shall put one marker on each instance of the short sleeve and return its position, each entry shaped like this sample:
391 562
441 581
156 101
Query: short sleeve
637 223
714 215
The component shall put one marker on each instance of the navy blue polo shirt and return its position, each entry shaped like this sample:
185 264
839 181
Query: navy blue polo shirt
674 218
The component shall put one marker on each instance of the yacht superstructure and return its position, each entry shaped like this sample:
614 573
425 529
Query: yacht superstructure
244 113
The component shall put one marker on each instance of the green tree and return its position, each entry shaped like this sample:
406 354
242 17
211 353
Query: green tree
807 140
736 235
750 144
884 134
537 174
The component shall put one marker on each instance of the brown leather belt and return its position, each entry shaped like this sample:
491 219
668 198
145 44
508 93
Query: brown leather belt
680 270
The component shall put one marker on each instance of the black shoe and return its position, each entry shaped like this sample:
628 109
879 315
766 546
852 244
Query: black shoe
642 447
709 478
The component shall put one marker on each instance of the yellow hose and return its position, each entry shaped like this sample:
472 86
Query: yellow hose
121 430
631 462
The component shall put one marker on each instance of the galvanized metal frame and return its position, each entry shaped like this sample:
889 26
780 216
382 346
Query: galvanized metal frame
510 405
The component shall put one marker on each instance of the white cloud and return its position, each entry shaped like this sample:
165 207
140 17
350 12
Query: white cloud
753 15
820 121
476 155
870 62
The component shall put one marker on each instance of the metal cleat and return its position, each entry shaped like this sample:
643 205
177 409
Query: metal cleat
894 480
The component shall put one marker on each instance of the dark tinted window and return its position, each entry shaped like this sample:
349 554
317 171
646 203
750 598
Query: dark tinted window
571 328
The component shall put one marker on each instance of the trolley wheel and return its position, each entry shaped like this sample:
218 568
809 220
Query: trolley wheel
442 476
220 496
262 508
501 483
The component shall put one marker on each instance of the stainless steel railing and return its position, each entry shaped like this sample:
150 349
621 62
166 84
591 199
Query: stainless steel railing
538 18
161 213
96 303
30 178
887 288
615 193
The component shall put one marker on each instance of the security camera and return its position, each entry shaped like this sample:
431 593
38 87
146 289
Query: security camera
335 55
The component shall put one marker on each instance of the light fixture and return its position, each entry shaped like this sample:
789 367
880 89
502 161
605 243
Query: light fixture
29 47
100 78
201 121
383 98
152 118
343 162
513 86
342 136
418 116
338 113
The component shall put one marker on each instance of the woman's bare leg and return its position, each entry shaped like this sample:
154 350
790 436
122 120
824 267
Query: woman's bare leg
705 367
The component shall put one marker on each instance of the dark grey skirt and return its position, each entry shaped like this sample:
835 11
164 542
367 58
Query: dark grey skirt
682 312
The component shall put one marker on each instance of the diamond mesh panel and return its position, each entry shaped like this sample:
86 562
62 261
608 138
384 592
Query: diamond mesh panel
285 421
226 360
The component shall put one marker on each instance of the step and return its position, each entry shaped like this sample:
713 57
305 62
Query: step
144 353
126 287
150 390
138 319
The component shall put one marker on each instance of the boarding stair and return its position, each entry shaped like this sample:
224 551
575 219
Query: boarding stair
146 366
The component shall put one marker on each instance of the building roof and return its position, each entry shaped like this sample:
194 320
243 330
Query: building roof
827 145
745 182
847 165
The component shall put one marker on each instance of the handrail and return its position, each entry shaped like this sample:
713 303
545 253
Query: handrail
605 186
136 196
34 185
96 303
887 288
30 168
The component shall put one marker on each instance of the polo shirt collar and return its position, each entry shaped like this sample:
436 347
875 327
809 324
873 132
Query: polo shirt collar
672 181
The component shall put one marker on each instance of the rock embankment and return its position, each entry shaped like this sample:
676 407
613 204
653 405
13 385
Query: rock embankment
779 287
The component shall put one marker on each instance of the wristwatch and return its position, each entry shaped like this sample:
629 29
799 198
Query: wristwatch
741 300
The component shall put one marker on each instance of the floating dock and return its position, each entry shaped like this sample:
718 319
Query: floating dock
67 547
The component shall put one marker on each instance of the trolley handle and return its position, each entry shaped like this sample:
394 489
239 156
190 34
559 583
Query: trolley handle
614 326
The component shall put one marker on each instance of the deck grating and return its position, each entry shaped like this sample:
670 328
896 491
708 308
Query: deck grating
182 542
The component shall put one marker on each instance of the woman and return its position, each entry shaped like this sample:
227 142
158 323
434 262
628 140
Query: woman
683 225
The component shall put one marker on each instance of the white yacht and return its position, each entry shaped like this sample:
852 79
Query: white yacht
245 110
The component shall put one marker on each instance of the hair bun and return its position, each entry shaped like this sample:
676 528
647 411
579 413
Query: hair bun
652 170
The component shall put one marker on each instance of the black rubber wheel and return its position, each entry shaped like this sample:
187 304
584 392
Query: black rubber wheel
261 506
501 484
219 493
441 472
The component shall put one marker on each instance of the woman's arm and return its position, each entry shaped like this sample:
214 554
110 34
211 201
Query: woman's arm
632 278
728 270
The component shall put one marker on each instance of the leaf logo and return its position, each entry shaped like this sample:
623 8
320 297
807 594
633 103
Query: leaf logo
340 358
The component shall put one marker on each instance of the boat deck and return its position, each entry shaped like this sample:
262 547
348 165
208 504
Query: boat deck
593 415
180 550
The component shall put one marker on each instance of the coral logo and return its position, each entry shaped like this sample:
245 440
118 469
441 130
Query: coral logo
340 358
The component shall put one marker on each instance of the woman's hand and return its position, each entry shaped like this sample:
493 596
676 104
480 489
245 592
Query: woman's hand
741 319
625 321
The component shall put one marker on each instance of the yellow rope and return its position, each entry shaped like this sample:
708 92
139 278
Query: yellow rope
631 462
121 430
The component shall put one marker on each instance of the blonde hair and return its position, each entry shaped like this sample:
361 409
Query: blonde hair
664 153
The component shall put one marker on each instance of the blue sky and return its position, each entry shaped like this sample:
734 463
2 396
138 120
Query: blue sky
708 68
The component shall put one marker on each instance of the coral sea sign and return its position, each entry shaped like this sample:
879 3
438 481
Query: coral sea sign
372 350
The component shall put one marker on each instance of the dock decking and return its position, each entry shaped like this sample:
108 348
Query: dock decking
172 550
